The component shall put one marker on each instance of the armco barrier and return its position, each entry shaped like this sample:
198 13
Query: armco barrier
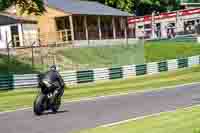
152 68
115 73
70 77
182 63
99 74
141 69
194 60
172 64
85 76
6 81
129 71
162 66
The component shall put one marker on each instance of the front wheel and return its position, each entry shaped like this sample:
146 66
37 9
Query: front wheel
38 107
56 104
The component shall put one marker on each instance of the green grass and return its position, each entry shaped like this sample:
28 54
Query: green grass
106 56
181 121
164 50
15 99
138 54
70 58
14 66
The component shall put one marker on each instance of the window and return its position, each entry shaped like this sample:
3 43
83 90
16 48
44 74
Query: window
15 36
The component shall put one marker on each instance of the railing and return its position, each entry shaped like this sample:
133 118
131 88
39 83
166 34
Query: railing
44 39
16 41
64 35
77 77
58 37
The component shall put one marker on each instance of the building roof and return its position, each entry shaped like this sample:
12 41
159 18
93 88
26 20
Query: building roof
6 19
77 7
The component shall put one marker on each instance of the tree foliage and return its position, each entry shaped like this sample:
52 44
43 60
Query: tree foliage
139 7
29 6
148 6
142 7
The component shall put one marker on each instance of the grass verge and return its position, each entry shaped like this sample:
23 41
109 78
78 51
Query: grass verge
97 57
181 121
11 100
159 50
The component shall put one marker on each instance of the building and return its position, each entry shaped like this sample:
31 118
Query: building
14 30
78 21
162 25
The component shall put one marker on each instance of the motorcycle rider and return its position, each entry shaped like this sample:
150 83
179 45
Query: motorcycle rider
55 80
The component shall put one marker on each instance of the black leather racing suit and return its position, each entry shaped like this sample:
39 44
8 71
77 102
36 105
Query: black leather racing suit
56 80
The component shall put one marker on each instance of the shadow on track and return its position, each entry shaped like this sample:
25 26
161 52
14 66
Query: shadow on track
54 113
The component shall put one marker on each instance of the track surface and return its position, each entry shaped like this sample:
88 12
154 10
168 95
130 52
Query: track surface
76 116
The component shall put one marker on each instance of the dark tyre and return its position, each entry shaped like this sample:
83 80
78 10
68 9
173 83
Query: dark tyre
55 107
38 107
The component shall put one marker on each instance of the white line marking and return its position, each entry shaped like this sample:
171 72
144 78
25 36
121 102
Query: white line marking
110 96
147 116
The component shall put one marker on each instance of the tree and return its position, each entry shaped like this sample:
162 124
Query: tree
125 5
29 6
139 7
143 7
171 5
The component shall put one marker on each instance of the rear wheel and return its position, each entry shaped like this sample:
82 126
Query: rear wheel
39 104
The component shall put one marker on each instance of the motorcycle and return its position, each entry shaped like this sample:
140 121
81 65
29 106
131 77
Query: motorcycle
49 98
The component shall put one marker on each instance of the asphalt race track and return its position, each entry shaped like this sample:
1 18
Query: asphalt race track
76 116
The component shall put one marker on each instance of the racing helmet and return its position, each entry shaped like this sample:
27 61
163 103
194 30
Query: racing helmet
54 68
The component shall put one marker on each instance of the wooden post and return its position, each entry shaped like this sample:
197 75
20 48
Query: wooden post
99 27
32 48
86 28
8 48
71 27
39 37
124 23
125 28
66 35
153 25
178 25
114 27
